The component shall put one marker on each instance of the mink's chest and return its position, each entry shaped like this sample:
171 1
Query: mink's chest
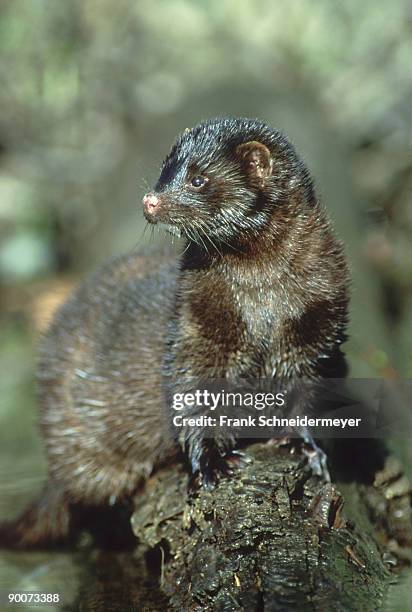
227 331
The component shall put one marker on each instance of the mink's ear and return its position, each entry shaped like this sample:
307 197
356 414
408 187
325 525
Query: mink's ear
256 160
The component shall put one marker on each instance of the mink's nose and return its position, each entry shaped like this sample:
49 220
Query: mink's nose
151 204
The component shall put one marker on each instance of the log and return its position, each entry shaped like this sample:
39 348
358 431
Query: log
273 537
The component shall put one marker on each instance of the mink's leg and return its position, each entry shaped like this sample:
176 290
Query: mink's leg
304 396
211 458
317 458
208 446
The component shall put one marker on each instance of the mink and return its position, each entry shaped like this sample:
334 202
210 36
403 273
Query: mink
260 291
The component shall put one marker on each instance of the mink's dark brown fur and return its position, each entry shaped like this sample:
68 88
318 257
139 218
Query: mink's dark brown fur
261 290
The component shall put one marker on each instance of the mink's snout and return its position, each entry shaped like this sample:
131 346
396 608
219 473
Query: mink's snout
151 207
163 208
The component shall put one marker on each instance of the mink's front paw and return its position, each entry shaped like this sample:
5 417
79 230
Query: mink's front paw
317 458
317 461
213 465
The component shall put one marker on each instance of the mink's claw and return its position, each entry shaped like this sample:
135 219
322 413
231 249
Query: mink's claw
237 459
214 466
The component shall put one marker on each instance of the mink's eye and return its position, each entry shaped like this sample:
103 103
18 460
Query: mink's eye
198 182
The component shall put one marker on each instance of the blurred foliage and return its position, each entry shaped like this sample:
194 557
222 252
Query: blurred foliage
92 95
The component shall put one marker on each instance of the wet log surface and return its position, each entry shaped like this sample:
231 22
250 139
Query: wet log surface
272 537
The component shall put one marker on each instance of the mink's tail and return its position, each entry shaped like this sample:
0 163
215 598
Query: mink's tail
46 523
55 520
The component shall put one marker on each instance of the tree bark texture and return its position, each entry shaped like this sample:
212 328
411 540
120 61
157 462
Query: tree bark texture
271 538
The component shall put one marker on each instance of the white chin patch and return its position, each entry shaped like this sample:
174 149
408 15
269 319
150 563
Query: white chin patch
170 229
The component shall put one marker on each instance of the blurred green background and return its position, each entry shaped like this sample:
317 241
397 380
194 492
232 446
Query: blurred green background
94 92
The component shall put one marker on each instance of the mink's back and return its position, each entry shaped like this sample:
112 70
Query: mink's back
100 381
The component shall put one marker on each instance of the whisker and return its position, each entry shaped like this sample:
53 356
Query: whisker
231 246
144 183
199 234
186 248
140 239
212 243
194 236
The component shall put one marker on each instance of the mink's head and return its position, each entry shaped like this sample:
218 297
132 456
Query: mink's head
225 180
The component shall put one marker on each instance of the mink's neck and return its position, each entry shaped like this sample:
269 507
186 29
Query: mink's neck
287 240
283 266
